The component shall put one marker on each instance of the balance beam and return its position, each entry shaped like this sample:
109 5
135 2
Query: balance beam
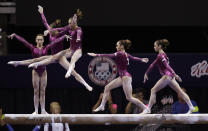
94 119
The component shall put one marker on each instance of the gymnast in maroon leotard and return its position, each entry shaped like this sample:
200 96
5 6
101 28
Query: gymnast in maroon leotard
39 75
122 60
75 50
168 76
53 35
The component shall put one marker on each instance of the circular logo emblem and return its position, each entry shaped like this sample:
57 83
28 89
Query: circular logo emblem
102 70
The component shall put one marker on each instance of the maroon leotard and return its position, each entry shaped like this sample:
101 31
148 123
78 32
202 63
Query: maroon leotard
36 52
122 61
162 62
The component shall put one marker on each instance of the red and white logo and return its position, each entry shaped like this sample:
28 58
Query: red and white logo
199 69
102 70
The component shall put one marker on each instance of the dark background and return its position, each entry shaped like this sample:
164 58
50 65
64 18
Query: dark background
116 12
184 23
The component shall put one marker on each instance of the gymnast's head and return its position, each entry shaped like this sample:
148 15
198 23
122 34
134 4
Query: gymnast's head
161 45
55 108
123 45
39 40
55 24
73 20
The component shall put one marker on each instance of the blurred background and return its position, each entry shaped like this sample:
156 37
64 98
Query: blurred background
183 23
